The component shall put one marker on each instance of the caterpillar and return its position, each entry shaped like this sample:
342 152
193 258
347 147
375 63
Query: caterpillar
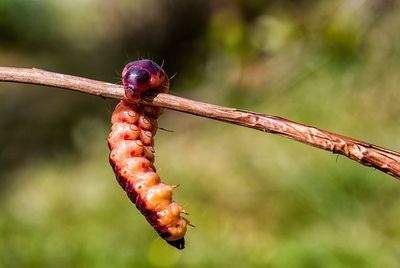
131 144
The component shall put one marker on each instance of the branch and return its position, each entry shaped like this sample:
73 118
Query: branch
364 153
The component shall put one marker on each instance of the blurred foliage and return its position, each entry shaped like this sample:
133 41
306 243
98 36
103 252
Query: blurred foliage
257 200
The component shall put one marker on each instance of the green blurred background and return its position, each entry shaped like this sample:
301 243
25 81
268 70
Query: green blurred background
257 200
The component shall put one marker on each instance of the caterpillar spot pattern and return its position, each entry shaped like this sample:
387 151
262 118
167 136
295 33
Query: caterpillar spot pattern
131 144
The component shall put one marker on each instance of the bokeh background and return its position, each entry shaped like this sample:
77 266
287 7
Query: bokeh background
257 200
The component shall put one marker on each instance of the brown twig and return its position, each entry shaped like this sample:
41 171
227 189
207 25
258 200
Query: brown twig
364 153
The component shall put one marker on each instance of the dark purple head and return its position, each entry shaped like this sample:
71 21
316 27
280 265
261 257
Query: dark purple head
142 75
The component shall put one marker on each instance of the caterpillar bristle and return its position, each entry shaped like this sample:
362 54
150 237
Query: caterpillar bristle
184 212
175 186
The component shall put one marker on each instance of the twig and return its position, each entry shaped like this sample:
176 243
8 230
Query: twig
364 153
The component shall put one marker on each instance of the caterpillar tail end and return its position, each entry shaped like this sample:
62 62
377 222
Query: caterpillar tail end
179 244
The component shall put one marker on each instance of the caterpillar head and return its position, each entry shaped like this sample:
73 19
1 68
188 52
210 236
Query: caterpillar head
141 76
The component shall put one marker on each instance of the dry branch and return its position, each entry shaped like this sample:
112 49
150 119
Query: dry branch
364 153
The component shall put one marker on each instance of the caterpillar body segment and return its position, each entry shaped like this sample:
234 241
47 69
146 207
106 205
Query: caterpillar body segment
131 144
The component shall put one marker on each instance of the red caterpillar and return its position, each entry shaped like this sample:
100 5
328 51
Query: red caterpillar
132 153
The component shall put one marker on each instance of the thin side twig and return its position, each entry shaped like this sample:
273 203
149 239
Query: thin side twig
364 153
